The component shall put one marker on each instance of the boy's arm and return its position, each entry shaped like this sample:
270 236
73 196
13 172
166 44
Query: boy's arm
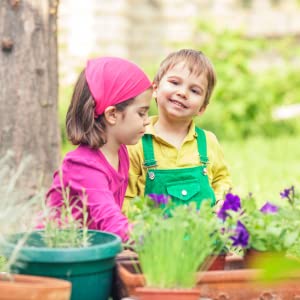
136 180
221 180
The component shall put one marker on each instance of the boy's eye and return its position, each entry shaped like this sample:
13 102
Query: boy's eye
174 82
196 91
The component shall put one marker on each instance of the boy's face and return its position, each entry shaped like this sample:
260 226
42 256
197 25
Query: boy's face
181 94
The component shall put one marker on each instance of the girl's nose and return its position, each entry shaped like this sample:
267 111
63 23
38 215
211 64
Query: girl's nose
147 120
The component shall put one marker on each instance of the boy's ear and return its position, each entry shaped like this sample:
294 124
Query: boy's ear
202 110
110 115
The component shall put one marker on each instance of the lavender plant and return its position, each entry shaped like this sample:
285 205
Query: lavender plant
61 228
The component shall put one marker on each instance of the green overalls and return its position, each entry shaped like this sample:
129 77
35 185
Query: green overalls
184 185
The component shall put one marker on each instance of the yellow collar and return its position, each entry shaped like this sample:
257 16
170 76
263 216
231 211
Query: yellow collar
151 130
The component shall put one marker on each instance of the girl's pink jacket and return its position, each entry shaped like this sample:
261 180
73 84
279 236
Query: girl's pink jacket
86 169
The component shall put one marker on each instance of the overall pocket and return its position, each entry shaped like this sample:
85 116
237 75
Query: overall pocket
183 191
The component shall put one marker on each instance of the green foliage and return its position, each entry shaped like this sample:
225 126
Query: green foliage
276 267
270 232
249 86
263 166
3 262
247 92
271 228
65 94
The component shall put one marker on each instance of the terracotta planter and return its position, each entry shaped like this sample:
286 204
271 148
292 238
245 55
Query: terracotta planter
129 260
215 262
25 287
229 284
129 272
244 284
134 286
129 281
234 262
167 294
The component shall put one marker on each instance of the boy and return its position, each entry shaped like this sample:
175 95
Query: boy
175 157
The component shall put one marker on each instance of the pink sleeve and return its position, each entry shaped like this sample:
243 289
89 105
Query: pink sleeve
105 213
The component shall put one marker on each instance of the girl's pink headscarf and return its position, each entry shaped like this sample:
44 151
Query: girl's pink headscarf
113 80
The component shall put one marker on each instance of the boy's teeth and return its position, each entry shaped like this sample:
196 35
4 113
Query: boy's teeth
178 103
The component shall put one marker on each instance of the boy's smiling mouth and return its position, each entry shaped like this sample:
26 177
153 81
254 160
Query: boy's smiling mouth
177 103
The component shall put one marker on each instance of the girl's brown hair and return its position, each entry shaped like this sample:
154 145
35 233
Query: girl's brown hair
196 61
82 126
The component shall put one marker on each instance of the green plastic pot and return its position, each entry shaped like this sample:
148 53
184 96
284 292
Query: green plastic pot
89 269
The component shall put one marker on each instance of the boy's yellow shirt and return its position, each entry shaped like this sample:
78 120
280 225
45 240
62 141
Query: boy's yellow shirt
169 157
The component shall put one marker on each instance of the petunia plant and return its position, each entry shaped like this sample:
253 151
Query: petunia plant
269 228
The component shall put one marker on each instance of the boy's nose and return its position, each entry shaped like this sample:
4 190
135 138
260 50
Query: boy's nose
182 92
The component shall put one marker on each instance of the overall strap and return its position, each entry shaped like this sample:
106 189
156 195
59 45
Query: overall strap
201 141
149 160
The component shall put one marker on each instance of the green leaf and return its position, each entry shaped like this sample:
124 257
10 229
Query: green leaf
290 239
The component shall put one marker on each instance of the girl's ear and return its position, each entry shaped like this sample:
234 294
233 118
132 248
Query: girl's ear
154 86
110 115
154 93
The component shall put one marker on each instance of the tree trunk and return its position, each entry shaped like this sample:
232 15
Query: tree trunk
29 87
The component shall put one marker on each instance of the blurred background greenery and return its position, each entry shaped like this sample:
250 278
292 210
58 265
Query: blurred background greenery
262 150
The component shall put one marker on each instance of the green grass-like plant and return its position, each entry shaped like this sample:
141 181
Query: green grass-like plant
15 212
173 243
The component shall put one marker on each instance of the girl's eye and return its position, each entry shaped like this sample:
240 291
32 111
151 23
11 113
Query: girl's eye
142 114
174 82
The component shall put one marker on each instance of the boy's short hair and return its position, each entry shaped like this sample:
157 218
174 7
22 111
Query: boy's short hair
197 63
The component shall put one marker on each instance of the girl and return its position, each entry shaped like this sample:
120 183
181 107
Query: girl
109 109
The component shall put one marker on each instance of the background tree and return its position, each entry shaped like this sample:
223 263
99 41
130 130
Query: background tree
29 86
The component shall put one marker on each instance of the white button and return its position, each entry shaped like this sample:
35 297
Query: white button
151 175
183 192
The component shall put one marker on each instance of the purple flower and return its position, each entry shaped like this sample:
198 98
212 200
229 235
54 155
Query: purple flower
232 202
241 236
286 193
269 208
159 198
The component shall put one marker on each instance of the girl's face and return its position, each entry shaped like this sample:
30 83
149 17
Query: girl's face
181 94
131 123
